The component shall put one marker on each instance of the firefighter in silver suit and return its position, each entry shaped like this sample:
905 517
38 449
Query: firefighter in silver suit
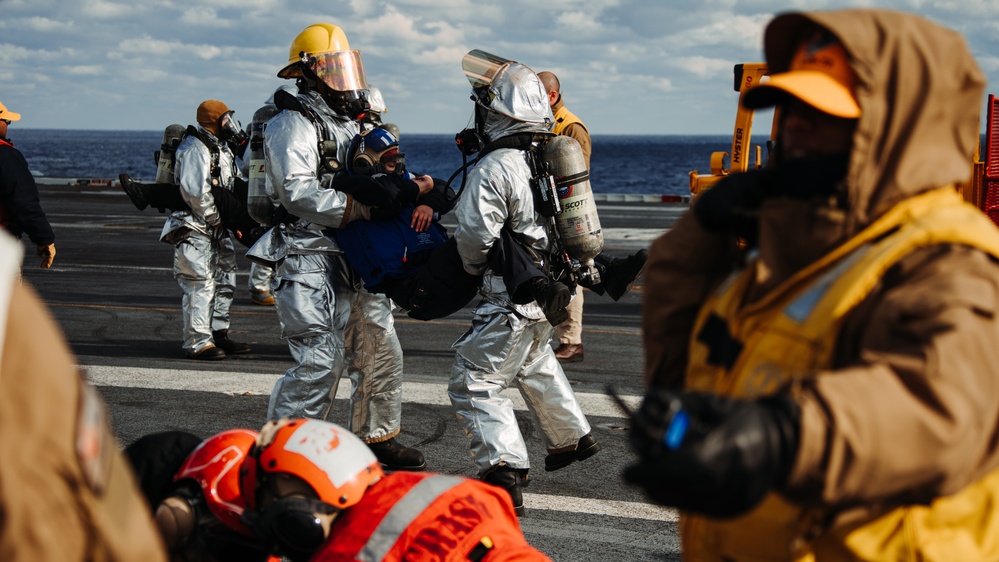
204 262
317 298
509 343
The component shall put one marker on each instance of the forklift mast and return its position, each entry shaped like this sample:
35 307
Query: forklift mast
747 75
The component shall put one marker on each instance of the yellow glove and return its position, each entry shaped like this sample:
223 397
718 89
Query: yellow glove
46 253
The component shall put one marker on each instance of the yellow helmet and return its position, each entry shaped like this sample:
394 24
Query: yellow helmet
315 39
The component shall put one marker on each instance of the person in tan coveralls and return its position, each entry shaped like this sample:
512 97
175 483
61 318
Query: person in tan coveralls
66 491
831 393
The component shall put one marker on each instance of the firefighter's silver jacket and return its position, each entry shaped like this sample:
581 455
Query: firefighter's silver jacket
298 179
497 193
193 173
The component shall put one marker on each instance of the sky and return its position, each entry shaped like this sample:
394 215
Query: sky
626 66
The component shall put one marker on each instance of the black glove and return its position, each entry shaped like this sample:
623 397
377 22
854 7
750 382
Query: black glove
731 204
722 460
388 192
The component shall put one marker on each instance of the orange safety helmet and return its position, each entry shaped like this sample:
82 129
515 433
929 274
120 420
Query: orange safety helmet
215 467
334 462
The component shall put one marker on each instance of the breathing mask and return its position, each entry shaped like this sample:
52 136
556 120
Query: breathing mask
231 132
292 527
375 152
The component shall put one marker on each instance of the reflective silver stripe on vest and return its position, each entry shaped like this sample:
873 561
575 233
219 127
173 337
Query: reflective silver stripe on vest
408 508
801 308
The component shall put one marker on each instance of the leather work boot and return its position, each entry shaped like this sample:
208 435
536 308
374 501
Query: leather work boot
207 353
585 448
133 192
620 274
552 297
222 340
511 480
263 298
394 456
569 353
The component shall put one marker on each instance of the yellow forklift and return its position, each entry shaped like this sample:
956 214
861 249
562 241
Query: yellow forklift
982 190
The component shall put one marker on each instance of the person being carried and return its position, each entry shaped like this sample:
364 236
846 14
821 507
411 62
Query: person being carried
405 253
230 204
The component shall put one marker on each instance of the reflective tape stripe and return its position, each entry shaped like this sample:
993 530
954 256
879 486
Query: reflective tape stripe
802 307
402 514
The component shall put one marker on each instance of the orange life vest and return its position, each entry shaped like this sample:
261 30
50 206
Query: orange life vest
428 517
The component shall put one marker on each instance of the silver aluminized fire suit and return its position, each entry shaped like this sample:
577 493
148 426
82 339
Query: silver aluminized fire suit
316 295
204 261
259 281
507 343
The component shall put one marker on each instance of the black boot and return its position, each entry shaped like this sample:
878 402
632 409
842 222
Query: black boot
585 448
552 297
511 480
230 347
394 456
133 191
620 273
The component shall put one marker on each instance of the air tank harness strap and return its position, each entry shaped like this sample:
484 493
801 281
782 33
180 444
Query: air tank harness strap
213 149
327 150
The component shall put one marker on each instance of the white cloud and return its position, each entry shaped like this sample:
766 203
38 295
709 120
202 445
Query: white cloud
42 24
86 70
579 22
703 66
203 15
103 10
742 32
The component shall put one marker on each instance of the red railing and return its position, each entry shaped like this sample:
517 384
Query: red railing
990 185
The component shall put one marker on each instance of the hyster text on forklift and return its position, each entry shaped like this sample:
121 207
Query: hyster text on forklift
981 190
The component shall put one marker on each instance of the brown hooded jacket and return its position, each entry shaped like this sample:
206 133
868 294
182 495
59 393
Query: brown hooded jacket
909 411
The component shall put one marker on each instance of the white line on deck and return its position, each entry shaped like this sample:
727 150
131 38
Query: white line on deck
256 384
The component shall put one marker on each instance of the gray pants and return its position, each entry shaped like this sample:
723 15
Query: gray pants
330 329
205 269
501 349
261 278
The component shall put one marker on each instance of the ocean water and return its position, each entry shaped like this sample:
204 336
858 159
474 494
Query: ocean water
620 163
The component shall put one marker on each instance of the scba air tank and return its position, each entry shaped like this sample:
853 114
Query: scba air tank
578 223
172 136
258 203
